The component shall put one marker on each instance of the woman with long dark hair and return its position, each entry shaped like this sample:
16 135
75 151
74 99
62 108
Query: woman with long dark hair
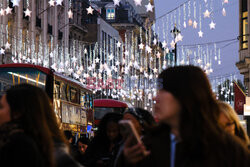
189 134
31 134
103 148
26 139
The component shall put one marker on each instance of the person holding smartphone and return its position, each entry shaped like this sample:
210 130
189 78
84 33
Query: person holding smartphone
189 134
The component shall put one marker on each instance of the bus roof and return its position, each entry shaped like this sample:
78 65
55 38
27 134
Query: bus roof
46 71
109 103
43 69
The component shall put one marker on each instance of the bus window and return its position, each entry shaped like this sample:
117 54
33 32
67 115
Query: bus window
57 90
16 75
65 91
74 95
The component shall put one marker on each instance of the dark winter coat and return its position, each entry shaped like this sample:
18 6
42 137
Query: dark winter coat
18 149
158 142
62 156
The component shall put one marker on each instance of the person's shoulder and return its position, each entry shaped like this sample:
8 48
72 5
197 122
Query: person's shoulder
160 131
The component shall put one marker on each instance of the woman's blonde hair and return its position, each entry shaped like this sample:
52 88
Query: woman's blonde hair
229 112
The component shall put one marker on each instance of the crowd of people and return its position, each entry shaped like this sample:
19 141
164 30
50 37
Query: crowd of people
192 129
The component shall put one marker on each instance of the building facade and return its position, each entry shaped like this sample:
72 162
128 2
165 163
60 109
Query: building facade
244 52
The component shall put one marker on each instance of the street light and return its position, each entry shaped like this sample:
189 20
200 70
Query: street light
175 33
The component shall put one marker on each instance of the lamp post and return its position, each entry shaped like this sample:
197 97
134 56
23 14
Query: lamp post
175 33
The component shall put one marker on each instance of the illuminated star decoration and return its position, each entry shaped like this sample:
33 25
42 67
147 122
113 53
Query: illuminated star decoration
206 14
224 13
190 22
179 37
148 49
119 44
59 2
51 3
149 7
155 41
15 2
141 46
158 55
195 24
7 45
2 51
200 34
2 12
27 12
184 24
172 44
212 25
117 2
137 2
8 10
225 1
90 10
164 44
70 14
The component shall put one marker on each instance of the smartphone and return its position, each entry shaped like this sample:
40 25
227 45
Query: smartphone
127 129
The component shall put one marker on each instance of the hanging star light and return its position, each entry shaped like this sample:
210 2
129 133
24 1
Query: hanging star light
172 44
117 2
15 2
2 51
199 61
97 60
149 7
2 12
195 24
158 55
164 44
206 14
155 41
7 45
90 10
111 57
51 3
155 70
179 37
148 49
70 14
119 44
212 25
27 12
59 2
224 13
167 50
8 10
126 53
200 34
225 2
185 25
190 22
141 46
137 2
117 63
74 59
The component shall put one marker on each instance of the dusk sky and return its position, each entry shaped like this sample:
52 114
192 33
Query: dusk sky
227 27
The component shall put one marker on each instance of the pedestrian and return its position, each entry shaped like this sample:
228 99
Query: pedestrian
70 138
103 148
31 109
143 122
82 145
229 121
25 139
189 134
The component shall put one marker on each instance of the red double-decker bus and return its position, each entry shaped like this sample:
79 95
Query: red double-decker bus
73 103
104 106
